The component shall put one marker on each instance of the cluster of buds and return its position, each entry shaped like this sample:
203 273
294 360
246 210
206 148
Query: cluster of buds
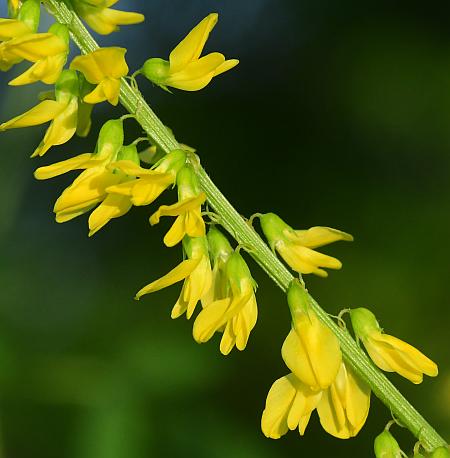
115 177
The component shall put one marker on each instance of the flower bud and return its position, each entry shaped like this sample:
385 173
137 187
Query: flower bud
385 446
30 14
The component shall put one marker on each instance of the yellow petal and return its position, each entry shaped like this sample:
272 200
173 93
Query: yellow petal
227 65
197 68
319 236
209 320
47 71
101 64
37 46
190 48
312 352
10 28
148 189
40 114
178 208
53 170
113 206
177 274
61 130
193 85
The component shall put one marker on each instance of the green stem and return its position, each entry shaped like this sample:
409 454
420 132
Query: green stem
245 235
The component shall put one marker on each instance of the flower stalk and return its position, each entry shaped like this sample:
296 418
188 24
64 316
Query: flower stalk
245 235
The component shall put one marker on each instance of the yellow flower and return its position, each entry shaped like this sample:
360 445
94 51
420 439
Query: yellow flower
196 273
48 50
289 405
230 307
89 188
149 183
311 350
389 353
103 67
103 19
297 247
344 406
185 69
62 112
189 219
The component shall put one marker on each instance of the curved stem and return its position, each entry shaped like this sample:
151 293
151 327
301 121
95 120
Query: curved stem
246 236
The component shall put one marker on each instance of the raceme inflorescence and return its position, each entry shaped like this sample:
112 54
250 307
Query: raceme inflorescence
327 371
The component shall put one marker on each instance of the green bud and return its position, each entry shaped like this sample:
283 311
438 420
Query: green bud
363 322
61 31
67 86
128 153
30 14
187 182
440 452
110 139
171 162
385 446
156 70
219 246
298 298
273 227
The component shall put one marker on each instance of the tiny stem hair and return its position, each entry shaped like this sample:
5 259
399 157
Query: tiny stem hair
246 236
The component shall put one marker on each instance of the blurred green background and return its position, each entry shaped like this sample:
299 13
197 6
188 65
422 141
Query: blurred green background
338 115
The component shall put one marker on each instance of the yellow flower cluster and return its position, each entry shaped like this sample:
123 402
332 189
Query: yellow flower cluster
320 380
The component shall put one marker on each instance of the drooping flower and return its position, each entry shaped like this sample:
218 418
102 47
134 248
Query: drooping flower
289 406
103 19
296 247
311 350
150 183
230 306
62 112
196 273
48 51
189 219
388 352
185 69
25 20
385 446
89 188
344 405
104 68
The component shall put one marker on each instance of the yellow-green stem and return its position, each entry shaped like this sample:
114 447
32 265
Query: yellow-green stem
245 235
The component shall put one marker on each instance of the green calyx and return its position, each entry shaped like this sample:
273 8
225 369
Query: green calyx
364 322
440 452
128 153
273 227
219 246
30 14
187 182
110 139
67 86
61 31
298 299
156 70
172 162
385 446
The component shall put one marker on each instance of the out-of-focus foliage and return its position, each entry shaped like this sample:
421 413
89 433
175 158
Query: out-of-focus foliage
345 123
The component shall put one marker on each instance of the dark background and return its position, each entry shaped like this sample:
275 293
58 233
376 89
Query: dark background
337 115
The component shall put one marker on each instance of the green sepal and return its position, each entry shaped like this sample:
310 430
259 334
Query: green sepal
298 298
237 270
110 139
187 182
61 31
440 452
219 246
84 121
30 14
385 446
156 70
274 228
67 86
128 153
364 322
